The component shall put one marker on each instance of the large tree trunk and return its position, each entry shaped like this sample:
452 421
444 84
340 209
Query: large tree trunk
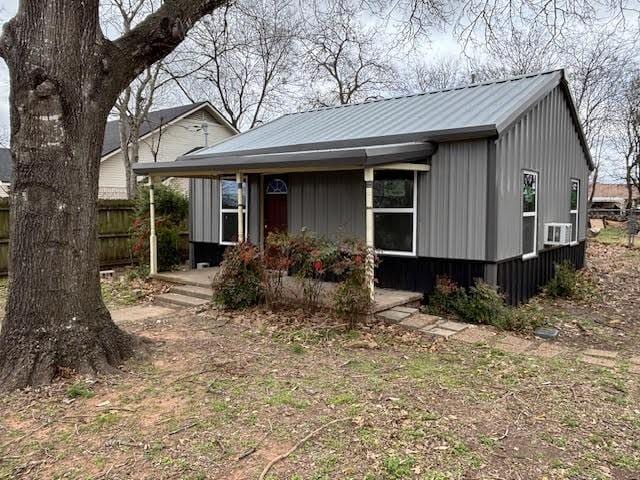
65 77
55 317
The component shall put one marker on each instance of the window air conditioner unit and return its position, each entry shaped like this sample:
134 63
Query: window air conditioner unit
557 233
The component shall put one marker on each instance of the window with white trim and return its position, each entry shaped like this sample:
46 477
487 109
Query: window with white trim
529 214
229 210
394 211
574 202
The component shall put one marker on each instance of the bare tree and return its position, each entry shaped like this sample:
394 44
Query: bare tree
629 144
243 59
65 78
136 100
347 62
440 73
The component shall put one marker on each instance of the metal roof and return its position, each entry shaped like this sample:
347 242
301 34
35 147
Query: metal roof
473 111
340 158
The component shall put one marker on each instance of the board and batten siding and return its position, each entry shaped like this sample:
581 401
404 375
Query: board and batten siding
204 210
544 140
329 204
452 201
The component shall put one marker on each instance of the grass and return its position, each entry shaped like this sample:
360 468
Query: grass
410 409
614 236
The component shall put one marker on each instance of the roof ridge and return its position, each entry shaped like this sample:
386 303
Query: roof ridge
429 92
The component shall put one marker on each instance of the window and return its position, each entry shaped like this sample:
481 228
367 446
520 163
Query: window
529 214
229 210
574 202
394 211
277 186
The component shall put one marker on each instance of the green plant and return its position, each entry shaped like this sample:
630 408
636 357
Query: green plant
564 282
397 468
482 304
79 390
352 297
171 208
240 283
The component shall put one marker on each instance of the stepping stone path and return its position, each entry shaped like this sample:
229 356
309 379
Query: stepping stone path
433 326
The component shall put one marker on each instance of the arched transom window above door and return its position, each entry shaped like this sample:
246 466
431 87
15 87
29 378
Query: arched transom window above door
277 186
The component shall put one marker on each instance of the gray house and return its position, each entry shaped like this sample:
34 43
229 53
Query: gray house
482 181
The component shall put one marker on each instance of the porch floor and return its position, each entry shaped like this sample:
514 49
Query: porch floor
384 298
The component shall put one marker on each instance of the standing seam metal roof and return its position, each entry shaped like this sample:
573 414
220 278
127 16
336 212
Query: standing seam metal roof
480 109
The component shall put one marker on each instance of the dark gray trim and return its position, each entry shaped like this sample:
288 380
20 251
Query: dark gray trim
476 131
491 240
348 157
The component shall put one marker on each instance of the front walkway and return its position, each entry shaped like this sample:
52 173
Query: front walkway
432 326
385 298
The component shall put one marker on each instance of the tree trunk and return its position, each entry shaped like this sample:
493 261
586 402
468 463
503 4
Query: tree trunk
65 77
55 317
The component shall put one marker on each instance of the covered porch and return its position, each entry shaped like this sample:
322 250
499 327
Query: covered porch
384 299
232 173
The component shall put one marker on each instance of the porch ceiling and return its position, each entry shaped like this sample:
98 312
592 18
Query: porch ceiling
310 160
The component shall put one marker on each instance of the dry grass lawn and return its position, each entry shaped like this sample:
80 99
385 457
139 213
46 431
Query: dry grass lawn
221 395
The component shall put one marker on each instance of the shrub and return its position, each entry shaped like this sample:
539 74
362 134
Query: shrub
351 298
482 304
171 209
565 281
241 279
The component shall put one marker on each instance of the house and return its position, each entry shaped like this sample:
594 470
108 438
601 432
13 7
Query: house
483 181
6 167
164 135
614 197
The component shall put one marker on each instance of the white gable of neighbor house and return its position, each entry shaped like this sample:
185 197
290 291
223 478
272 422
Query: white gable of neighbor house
176 139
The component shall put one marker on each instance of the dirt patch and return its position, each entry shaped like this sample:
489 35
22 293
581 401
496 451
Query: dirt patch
218 385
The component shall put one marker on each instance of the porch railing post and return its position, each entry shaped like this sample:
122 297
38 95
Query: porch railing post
153 239
240 208
368 182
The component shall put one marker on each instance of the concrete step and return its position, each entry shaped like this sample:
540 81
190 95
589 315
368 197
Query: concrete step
177 299
193 291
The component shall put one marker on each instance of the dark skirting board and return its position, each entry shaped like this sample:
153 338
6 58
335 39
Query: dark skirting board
419 274
520 279
206 252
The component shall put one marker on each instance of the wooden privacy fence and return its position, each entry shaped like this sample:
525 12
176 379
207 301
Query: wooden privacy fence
114 223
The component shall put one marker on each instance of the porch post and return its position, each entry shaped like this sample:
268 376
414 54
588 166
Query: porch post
240 208
153 239
368 182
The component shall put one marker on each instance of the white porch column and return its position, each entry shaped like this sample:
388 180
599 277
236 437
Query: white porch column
153 239
368 182
241 237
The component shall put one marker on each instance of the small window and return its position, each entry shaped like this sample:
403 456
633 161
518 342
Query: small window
277 186
529 214
229 210
574 202
394 211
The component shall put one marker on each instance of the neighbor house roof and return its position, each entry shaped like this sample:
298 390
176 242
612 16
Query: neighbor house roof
613 191
6 165
155 119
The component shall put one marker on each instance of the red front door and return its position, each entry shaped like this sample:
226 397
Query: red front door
275 205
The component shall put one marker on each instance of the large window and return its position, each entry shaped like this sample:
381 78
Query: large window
529 214
394 211
574 202
229 210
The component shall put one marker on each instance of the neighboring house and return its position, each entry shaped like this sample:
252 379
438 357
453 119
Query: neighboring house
164 135
614 196
6 167
486 181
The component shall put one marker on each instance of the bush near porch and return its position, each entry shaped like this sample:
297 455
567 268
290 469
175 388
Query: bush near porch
172 209
249 277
